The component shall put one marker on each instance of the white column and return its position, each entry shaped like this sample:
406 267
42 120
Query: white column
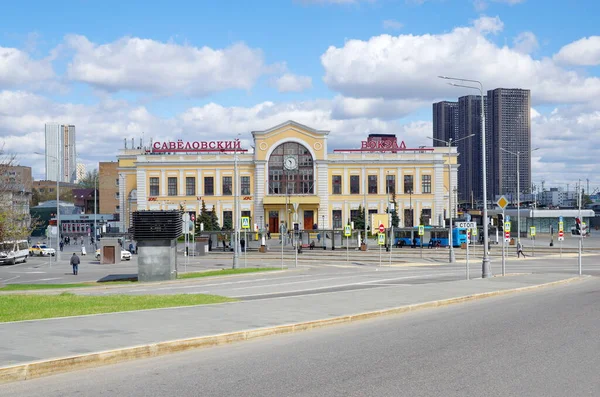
163 183
322 191
142 193
259 192
439 200
181 190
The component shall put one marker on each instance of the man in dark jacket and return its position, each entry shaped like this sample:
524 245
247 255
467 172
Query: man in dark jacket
75 263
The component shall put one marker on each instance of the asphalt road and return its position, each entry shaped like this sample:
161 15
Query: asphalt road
543 343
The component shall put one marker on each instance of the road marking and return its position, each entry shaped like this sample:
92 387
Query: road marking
40 279
344 285
8 279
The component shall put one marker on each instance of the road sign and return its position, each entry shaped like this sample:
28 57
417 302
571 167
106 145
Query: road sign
560 218
507 226
381 239
507 219
532 230
561 235
474 231
245 222
192 217
466 225
421 230
381 228
502 202
347 231
185 217
561 226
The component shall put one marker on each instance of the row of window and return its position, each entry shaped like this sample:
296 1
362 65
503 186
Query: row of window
407 217
390 184
190 186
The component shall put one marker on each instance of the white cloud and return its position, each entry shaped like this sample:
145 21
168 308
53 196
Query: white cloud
18 69
345 107
392 24
510 2
136 64
584 52
293 83
487 24
406 66
525 43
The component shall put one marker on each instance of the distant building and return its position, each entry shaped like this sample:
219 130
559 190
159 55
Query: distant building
15 192
470 174
61 152
80 172
445 122
108 186
508 127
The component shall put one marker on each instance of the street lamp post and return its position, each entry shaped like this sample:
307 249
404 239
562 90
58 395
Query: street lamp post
485 264
518 154
235 208
449 144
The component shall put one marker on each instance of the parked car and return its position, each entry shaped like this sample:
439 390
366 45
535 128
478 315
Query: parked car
41 250
12 252
125 255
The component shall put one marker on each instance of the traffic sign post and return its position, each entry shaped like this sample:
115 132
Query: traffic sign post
532 233
245 222
561 234
380 241
468 243
466 225
421 234
347 233
381 228
504 241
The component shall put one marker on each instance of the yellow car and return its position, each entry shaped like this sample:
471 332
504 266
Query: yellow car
41 250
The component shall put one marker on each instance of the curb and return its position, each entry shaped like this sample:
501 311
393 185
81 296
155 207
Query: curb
38 369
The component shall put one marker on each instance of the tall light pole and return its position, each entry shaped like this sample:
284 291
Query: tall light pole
518 154
450 192
57 201
485 264
236 218
366 212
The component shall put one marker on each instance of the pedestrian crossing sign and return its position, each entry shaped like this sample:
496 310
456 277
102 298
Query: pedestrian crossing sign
381 238
347 231
245 222
532 230
474 231
421 230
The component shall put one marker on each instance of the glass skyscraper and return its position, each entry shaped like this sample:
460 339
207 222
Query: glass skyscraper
61 153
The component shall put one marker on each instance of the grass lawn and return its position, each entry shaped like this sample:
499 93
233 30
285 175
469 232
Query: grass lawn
224 272
30 307
22 287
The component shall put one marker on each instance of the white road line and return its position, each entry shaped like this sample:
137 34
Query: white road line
40 279
344 285
8 279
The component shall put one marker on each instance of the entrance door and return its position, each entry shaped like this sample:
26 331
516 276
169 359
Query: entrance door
274 221
308 220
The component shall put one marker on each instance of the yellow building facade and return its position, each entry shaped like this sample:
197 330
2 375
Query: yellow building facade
289 177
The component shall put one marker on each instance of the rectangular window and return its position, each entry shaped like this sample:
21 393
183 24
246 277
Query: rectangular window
190 186
354 184
154 186
426 183
117 195
209 186
390 184
354 214
227 189
336 184
245 188
408 218
372 184
172 186
117 182
408 184
337 218
227 220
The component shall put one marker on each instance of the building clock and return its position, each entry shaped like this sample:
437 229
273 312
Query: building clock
290 163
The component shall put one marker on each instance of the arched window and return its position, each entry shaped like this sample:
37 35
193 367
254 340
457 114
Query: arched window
291 166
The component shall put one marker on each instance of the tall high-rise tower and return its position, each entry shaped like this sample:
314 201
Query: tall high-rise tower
445 121
470 182
508 127
61 153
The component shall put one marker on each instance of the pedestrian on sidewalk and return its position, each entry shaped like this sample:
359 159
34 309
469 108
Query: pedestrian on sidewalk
520 250
61 245
75 263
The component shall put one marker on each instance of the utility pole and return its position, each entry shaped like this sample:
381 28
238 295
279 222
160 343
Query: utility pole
236 217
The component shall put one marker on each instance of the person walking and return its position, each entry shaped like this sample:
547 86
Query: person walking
61 245
520 250
75 263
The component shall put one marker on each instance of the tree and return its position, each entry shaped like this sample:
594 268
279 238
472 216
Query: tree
359 220
395 217
90 180
208 218
15 221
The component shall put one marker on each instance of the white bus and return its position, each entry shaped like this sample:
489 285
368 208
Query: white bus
12 252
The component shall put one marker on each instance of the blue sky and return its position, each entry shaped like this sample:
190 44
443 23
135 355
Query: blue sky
193 69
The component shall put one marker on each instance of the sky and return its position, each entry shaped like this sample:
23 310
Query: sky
205 70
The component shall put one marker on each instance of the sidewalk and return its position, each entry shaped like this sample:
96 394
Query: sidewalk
43 347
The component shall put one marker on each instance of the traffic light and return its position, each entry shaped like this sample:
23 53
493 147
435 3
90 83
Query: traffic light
500 220
578 226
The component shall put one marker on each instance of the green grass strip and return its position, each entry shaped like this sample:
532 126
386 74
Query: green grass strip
224 272
32 307
22 287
